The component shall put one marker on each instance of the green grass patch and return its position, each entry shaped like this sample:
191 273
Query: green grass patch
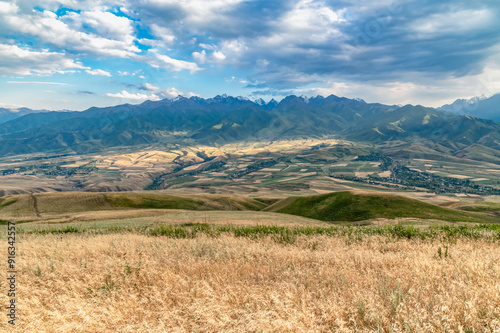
285 234
346 206
58 231
164 201
153 200
4 202
481 207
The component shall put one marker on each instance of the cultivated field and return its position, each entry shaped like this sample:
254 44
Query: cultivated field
103 277
282 168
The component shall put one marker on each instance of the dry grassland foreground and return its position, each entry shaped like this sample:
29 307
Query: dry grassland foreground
131 282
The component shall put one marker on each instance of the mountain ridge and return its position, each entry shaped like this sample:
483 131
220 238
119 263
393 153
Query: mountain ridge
480 106
224 119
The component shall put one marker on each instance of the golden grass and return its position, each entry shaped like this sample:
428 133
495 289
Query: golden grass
141 217
138 283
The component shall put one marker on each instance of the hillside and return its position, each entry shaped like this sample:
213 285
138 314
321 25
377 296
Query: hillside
339 206
349 206
46 205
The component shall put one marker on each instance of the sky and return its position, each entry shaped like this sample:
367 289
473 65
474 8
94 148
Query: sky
71 54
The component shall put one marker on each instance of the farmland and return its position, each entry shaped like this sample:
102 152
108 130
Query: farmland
280 169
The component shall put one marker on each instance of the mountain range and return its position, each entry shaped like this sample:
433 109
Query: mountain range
481 107
10 114
225 119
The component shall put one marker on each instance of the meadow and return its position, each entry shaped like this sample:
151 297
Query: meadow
201 277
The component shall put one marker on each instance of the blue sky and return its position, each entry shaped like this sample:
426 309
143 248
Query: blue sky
71 54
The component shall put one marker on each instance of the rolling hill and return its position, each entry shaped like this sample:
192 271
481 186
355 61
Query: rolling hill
333 207
354 206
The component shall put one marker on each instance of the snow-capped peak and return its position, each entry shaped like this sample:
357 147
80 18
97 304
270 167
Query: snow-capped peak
260 101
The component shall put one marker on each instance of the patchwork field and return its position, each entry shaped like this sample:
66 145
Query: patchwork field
281 169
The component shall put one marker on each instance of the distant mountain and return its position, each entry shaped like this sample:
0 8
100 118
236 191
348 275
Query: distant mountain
481 107
224 119
10 114
434 131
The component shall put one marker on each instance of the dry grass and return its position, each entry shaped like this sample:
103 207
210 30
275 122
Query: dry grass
142 217
139 283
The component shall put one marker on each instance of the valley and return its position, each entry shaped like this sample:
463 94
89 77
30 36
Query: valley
228 145
279 168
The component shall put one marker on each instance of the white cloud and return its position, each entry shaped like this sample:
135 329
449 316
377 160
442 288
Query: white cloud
151 87
201 57
228 52
309 21
110 35
151 42
20 61
233 47
12 107
163 33
218 56
174 64
285 45
174 92
422 89
134 97
109 25
8 8
155 94
198 12
98 72
208 46
309 16
38 82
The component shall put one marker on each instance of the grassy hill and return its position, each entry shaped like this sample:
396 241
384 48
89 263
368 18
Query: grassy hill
338 206
348 206
45 205
194 202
